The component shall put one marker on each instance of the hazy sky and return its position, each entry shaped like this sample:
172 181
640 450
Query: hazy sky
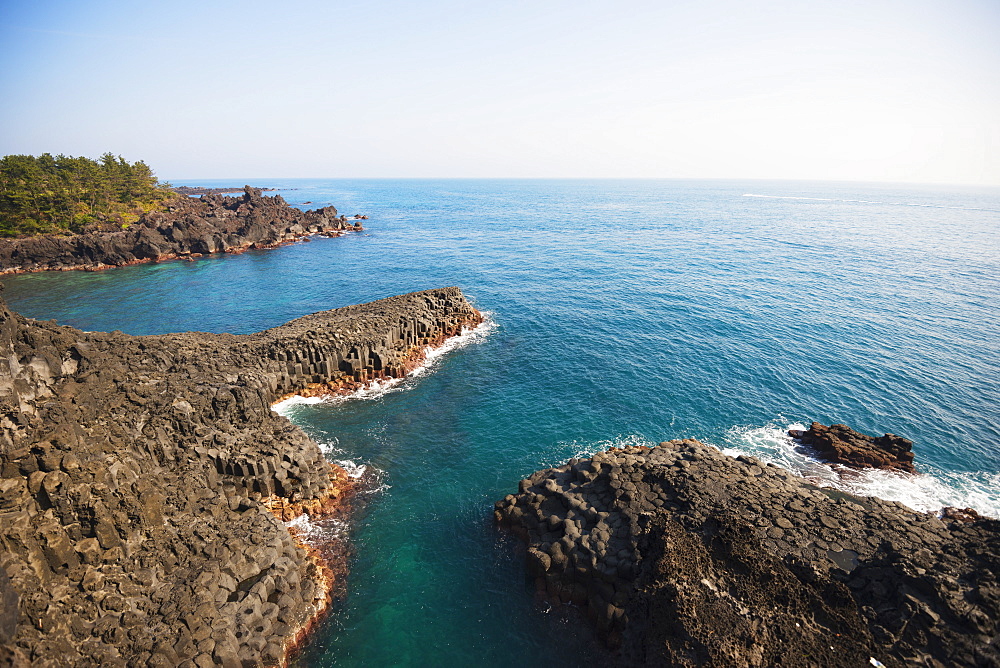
870 91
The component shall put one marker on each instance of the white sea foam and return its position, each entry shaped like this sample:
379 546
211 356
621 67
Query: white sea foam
467 337
353 469
566 450
381 387
289 404
372 479
317 532
927 491
372 390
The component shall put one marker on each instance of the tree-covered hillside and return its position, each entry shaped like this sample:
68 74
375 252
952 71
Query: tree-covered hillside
64 194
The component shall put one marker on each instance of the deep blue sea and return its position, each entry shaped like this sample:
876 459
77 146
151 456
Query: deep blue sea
619 312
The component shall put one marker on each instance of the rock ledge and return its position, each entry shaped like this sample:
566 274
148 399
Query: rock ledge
684 556
144 480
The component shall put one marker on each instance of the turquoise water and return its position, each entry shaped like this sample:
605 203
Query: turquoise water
621 312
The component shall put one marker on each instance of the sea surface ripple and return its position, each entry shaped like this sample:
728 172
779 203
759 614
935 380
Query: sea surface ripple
622 312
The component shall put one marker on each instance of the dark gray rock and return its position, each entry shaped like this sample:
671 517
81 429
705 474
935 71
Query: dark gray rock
744 564
141 476
187 228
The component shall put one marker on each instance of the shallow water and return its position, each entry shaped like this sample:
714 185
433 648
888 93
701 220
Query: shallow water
623 312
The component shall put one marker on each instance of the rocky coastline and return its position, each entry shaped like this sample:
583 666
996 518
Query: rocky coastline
841 445
145 481
188 228
201 190
681 555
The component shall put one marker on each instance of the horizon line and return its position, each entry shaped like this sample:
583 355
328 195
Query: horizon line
584 178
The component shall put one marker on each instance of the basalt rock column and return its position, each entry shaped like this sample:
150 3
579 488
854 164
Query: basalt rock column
685 556
137 474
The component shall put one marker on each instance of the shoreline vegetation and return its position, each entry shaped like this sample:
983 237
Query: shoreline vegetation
64 213
145 481
70 195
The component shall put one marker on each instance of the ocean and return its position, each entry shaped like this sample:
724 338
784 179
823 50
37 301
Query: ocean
619 312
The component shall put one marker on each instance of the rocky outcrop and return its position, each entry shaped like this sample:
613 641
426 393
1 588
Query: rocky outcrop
187 228
839 444
142 479
685 556
201 190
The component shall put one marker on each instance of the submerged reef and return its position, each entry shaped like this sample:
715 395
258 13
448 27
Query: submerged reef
684 556
144 481
187 228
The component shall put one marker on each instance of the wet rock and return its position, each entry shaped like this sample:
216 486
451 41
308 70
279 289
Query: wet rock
952 514
839 444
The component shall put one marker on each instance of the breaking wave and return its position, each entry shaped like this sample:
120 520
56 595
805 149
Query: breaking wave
322 531
929 490
576 449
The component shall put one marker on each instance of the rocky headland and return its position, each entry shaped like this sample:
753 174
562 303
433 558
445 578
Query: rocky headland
187 228
144 481
684 556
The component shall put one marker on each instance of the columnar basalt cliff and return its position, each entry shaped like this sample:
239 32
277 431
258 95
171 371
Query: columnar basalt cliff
188 228
685 556
143 478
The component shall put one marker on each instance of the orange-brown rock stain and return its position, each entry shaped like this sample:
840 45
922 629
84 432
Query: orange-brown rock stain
413 358
328 561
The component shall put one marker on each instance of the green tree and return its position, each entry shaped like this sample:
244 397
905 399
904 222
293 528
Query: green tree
63 194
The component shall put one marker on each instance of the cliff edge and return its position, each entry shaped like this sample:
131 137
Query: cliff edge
143 480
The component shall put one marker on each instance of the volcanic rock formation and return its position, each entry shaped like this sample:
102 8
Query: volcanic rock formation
138 475
188 228
201 190
839 444
685 556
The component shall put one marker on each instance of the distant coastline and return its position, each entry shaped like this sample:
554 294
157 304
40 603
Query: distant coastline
199 190
187 228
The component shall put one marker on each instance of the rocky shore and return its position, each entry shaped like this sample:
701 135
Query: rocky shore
839 444
684 556
201 190
188 228
144 480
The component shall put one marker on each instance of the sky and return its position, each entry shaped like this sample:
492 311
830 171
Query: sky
880 90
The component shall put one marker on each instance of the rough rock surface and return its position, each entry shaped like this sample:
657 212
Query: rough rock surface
839 444
142 479
188 228
685 556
